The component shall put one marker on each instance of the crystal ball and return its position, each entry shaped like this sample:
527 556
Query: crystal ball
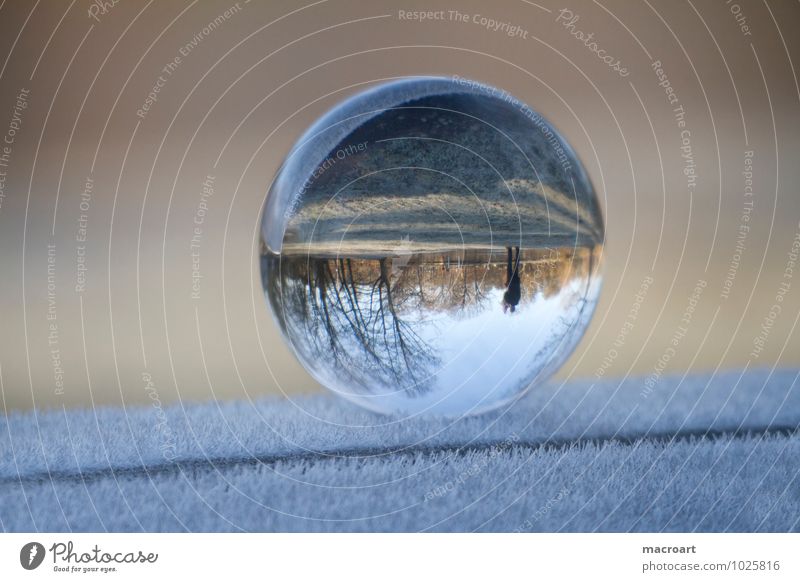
431 246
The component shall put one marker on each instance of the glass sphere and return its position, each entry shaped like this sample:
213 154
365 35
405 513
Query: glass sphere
431 245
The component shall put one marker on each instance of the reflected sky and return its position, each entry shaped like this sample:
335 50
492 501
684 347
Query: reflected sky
433 331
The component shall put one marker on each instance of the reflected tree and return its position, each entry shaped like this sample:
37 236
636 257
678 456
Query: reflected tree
345 312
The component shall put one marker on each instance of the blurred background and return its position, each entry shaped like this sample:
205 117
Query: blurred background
140 139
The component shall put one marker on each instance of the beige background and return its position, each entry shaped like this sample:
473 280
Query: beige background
251 86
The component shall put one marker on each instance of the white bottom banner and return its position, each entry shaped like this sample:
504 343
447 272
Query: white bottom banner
355 557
